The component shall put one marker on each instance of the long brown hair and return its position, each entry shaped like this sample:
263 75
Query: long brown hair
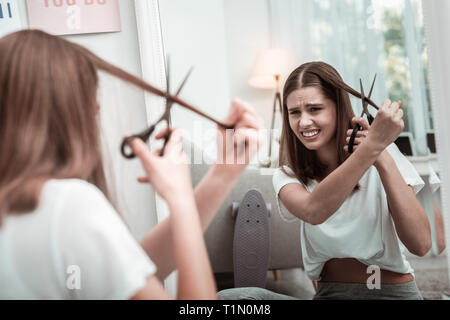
304 163
48 116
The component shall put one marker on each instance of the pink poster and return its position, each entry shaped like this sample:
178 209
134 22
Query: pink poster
74 16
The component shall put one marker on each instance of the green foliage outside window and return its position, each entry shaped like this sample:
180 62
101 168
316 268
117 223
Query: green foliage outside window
397 64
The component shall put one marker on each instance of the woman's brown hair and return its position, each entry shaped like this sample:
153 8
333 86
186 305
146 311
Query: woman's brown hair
48 116
303 162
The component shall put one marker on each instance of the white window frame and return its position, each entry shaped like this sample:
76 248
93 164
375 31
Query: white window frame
153 71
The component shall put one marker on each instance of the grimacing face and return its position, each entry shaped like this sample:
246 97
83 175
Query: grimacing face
312 117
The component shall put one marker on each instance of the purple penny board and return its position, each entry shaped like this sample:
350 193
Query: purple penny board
251 241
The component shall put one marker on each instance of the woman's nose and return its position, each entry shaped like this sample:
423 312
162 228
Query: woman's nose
305 121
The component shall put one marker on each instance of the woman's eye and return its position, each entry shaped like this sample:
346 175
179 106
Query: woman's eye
315 109
294 112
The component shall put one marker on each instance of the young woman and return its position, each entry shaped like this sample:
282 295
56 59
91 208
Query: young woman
355 209
60 238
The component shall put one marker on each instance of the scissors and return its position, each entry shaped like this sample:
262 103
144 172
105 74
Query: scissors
170 100
365 102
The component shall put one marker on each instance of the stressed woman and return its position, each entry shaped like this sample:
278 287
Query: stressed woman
60 237
357 210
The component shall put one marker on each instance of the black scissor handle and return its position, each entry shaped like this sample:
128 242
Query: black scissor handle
166 139
131 155
358 127
351 143
125 144
144 136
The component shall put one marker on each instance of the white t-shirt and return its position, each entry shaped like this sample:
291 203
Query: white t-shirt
73 246
362 228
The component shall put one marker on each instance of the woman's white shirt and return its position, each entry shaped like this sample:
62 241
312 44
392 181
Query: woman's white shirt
73 246
362 228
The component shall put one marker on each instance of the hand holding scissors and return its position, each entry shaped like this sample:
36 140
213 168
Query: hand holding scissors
170 100
382 130
365 111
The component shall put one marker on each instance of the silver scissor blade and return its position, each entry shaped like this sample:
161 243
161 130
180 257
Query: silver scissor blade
363 97
170 102
373 84
184 80
168 74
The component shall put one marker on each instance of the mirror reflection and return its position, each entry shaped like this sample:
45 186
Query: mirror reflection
248 49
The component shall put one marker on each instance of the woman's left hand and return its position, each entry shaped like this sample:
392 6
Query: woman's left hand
236 148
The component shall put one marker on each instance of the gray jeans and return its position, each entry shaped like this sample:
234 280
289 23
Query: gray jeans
252 293
332 291
359 291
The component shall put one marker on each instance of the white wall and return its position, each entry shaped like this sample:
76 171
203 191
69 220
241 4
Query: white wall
122 112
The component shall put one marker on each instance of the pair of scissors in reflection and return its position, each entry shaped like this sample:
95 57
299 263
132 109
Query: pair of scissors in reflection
365 111
170 100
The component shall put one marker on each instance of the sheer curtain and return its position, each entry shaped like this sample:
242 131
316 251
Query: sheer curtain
335 32
348 34
420 121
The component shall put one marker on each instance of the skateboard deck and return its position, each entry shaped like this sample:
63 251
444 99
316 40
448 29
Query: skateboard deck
251 241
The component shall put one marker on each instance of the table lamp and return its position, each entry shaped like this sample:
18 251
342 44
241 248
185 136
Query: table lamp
268 71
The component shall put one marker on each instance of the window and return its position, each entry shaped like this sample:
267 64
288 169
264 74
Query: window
406 59
361 38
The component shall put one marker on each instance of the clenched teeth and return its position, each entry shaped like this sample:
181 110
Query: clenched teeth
310 133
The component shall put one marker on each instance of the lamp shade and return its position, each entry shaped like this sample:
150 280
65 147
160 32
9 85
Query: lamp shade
268 65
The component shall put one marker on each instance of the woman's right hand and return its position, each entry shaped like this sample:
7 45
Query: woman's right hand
387 126
168 174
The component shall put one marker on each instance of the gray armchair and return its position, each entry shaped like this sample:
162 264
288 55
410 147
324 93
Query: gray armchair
285 250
